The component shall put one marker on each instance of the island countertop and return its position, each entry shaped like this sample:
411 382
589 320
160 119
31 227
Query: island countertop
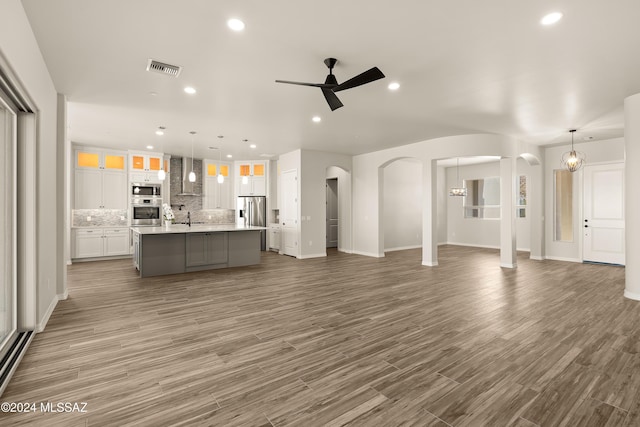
179 248
195 228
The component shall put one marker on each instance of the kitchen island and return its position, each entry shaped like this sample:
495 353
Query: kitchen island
181 248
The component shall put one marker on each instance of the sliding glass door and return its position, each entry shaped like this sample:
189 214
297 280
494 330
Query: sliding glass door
8 279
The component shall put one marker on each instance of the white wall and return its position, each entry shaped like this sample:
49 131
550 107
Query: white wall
312 201
19 49
610 150
402 205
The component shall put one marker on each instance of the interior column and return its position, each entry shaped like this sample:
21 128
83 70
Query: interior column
632 197
507 213
430 213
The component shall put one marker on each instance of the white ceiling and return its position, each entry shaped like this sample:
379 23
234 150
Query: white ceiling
464 66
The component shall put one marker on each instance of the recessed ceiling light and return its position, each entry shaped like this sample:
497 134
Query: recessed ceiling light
235 24
189 90
394 86
149 147
253 146
160 130
229 156
551 18
316 119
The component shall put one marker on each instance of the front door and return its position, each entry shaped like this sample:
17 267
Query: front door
332 213
603 224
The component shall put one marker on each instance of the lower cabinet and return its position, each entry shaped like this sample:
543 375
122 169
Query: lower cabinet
205 249
101 242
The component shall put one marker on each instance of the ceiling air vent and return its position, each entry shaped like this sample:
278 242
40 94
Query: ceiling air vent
162 68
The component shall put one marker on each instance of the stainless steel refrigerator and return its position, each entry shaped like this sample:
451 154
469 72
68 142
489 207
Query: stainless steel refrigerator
252 210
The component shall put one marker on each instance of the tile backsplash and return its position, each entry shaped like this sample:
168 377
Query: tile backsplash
99 217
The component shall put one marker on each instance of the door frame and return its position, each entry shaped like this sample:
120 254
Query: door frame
337 188
581 206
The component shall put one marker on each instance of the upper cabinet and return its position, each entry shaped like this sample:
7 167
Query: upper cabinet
144 167
96 159
251 178
217 195
100 179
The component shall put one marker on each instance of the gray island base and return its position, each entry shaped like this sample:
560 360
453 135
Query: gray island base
181 249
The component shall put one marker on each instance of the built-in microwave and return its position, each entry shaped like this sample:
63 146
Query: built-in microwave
146 211
145 190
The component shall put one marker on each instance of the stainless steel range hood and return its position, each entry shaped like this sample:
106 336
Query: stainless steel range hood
188 188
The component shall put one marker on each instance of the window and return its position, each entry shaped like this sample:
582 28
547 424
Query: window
563 205
483 198
521 203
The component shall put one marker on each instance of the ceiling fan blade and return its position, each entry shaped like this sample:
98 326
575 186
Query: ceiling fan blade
368 76
322 85
332 99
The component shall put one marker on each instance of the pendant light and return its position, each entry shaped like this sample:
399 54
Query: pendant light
573 160
458 191
192 174
220 176
162 174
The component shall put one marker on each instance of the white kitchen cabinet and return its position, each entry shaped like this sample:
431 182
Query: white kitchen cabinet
89 243
100 189
100 179
217 195
144 167
100 159
252 178
101 242
274 237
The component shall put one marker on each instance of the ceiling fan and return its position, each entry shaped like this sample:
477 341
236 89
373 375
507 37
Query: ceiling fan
330 85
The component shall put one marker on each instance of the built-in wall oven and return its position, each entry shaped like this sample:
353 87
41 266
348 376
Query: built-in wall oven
146 211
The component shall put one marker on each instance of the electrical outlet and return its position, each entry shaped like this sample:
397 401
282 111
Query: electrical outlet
310 243
121 217
88 218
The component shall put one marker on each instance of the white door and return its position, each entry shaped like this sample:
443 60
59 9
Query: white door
289 213
332 213
603 225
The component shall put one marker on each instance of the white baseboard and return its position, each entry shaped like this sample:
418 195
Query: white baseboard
631 295
430 264
346 251
537 258
508 265
369 254
312 256
403 248
63 296
473 246
45 319
557 258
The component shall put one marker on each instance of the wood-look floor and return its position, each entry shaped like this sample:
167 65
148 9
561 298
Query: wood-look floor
342 340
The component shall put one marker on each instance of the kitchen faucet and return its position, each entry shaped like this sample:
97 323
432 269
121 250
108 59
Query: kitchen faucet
189 219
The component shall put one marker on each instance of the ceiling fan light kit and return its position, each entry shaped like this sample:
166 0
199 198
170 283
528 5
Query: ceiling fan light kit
331 86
